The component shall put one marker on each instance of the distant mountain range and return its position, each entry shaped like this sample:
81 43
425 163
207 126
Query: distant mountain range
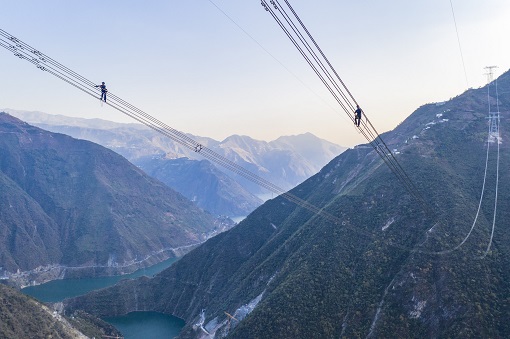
70 207
285 162
381 264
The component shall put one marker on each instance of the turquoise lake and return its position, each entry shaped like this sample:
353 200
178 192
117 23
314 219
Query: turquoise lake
135 325
147 325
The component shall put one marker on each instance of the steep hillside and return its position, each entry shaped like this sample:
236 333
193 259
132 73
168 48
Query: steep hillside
24 317
159 157
383 269
70 207
201 182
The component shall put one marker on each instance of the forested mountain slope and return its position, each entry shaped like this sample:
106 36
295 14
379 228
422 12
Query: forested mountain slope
203 183
383 269
70 207
24 317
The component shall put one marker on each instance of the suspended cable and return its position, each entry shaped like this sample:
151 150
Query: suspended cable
300 36
479 202
271 55
317 60
45 63
374 135
497 139
495 201
373 138
491 135
460 47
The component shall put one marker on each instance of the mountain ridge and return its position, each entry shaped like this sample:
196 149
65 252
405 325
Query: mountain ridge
74 208
302 155
285 272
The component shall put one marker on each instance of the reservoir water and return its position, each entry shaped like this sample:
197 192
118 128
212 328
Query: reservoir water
147 325
133 325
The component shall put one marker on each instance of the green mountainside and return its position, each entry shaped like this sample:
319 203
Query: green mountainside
69 207
25 317
285 272
203 183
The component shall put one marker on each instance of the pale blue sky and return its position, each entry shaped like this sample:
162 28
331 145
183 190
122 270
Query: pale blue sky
187 64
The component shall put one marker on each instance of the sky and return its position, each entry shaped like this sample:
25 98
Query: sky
216 68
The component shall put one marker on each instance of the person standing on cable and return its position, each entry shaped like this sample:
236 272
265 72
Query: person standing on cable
103 91
357 115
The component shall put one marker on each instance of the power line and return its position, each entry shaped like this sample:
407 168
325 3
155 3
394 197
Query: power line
304 42
479 202
43 62
492 135
271 55
460 47
368 131
314 56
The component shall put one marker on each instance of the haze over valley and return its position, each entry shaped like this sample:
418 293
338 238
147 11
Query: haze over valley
376 262
400 261
286 161
238 169
74 209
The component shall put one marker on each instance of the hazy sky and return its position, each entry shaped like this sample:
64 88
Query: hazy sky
187 64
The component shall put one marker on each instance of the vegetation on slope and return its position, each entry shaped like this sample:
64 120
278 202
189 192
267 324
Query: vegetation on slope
71 203
374 272
24 317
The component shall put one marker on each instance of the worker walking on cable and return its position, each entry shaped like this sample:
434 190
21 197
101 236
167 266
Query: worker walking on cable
357 115
103 91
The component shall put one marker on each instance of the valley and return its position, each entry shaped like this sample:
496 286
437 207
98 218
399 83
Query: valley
134 325
71 208
387 267
53 282
373 261
220 209
286 161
